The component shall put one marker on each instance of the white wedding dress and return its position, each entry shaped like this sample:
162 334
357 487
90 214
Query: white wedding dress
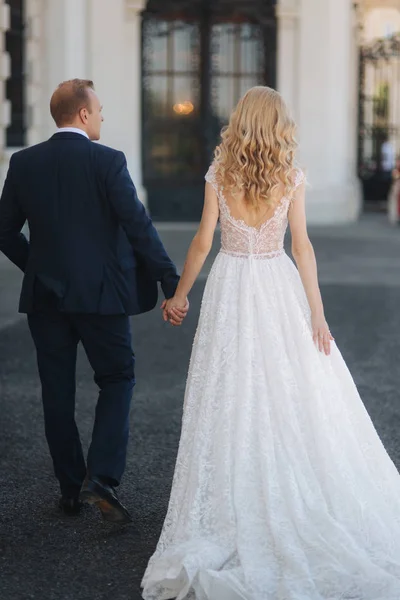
282 488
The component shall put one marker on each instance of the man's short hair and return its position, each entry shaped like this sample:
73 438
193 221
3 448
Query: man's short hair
69 98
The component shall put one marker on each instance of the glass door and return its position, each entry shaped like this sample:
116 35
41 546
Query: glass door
198 59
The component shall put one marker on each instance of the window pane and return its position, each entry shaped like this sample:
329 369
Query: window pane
173 152
183 101
156 33
248 82
237 64
157 96
182 43
171 129
223 40
251 50
225 97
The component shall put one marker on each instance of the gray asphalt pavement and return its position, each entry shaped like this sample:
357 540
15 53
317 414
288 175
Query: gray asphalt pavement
46 556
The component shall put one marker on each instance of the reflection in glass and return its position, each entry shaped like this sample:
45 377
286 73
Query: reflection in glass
182 90
158 34
250 49
224 59
224 97
171 100
157 95
175 141
237 66
182 47
246 83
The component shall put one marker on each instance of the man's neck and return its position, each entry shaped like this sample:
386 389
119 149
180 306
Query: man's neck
72 129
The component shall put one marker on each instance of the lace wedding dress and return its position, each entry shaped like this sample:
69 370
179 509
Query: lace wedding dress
282 488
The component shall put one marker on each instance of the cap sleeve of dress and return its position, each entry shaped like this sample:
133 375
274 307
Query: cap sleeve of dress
211 178
299 178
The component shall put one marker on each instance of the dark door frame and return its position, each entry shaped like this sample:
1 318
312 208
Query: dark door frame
15 84
180 195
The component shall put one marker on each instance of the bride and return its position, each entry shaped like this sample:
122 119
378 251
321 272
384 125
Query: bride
282 488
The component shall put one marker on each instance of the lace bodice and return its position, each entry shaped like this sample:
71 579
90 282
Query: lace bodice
238 238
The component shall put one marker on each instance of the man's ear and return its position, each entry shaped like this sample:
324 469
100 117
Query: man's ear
83 114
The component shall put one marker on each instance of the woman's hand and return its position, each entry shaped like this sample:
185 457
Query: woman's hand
175 310
321 335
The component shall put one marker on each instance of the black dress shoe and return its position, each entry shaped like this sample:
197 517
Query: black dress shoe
70 506
94 491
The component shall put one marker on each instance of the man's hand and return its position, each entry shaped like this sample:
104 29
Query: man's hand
175 310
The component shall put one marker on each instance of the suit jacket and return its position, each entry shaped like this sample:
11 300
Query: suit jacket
91 241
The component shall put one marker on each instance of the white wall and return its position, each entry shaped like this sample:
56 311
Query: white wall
317 75
114 38
93 39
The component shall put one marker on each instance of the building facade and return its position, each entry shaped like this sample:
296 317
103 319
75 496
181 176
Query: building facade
168 74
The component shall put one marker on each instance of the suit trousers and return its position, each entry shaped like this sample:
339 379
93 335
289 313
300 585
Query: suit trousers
107 343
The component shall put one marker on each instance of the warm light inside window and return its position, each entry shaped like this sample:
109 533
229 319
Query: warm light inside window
183 108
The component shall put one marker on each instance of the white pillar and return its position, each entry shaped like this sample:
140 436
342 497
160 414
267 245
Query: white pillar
65 49
288 41
322 93
134 82
4 74
115 42
353 105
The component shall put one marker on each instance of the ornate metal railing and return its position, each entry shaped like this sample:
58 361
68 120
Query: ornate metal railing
379 116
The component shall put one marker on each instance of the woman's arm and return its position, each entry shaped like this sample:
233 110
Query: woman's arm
197 253
303 254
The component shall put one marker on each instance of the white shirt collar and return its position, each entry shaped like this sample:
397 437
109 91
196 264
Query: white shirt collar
72 130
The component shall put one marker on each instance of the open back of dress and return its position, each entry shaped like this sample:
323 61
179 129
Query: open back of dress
238 238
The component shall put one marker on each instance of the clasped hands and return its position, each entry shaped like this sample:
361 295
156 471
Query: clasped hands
175 310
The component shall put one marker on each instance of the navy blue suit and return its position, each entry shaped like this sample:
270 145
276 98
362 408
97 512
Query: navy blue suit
93 258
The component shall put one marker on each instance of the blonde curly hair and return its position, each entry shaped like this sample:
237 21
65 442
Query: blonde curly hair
257 151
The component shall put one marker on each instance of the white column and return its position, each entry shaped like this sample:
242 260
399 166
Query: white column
115 41
325 101
288 41
353 105
134 82
4 74
65 49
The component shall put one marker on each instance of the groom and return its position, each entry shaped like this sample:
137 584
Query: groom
93 259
